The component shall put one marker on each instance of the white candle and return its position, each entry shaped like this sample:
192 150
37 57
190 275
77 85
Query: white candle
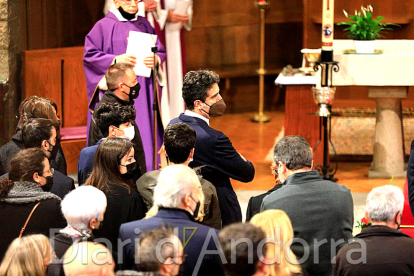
327 25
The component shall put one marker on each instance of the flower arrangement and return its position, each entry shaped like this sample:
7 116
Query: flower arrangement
365 222
362 26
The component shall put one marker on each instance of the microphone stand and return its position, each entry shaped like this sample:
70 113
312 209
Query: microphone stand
155 105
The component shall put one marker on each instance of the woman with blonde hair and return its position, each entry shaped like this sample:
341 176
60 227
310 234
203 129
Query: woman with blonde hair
27 256
276 225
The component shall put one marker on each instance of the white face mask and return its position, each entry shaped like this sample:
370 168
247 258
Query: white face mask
129 133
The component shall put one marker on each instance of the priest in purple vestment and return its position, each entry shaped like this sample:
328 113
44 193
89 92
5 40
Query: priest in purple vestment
106 44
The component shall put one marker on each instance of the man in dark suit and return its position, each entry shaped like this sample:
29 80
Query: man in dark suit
177 199
41 133
255 202
213 149
321 211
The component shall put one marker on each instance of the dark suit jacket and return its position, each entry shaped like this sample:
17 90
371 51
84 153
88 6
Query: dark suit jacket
85 163
62 184
222 162
212 217
203 238
255 202
95 133
9 150
410 178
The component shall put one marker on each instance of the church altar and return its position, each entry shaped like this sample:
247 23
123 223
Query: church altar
388 75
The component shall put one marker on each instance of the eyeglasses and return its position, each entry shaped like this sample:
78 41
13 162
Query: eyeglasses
277 169
51 171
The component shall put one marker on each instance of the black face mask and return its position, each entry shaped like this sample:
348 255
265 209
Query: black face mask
126 15
53 152
131 171
133 91
49 183
197 208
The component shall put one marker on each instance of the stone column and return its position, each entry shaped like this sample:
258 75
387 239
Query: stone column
10 62
388 148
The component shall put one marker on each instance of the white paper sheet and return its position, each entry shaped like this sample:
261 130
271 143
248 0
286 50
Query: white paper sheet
139 45
180 8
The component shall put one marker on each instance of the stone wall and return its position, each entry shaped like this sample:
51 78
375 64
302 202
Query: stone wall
10 64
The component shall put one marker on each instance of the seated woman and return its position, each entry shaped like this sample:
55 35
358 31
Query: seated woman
271 221
113 169
30 108
25 201
29 255
83 209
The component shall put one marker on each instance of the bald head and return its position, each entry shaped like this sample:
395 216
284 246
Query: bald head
87 259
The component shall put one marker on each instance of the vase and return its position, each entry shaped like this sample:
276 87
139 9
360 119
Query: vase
364 46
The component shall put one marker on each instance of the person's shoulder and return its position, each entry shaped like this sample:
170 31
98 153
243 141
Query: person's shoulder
61 177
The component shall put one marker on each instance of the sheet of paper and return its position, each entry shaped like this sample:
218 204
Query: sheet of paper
180 8
139 45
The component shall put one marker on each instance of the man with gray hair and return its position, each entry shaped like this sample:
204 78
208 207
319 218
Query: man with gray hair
177 200
380 249
321 211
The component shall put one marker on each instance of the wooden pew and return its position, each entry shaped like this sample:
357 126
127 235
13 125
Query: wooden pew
58 74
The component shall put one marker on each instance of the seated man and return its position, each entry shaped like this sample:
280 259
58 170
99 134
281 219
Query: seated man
177 197
242 241
113 120
41 133
160 251
213 149
179 142
321 211
88 259
255 202
380 249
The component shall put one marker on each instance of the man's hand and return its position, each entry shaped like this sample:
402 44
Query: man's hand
149 61
126 59
150 5
175 17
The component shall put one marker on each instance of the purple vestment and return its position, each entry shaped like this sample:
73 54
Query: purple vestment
106 40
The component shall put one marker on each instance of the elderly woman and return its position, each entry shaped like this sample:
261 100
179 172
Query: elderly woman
33 107
27 256
113 169
26 206
84 210
276 225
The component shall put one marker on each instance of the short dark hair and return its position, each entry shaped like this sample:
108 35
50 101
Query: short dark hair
230 245
146 249
179 140
25 163
37 130
294 152
196 84
115 73
36 107
113 114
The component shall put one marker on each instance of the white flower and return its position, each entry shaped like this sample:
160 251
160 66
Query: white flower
346 14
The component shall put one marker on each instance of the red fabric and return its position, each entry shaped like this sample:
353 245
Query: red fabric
407 217
73 133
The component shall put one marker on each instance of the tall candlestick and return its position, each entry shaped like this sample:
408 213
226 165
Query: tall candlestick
327 30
